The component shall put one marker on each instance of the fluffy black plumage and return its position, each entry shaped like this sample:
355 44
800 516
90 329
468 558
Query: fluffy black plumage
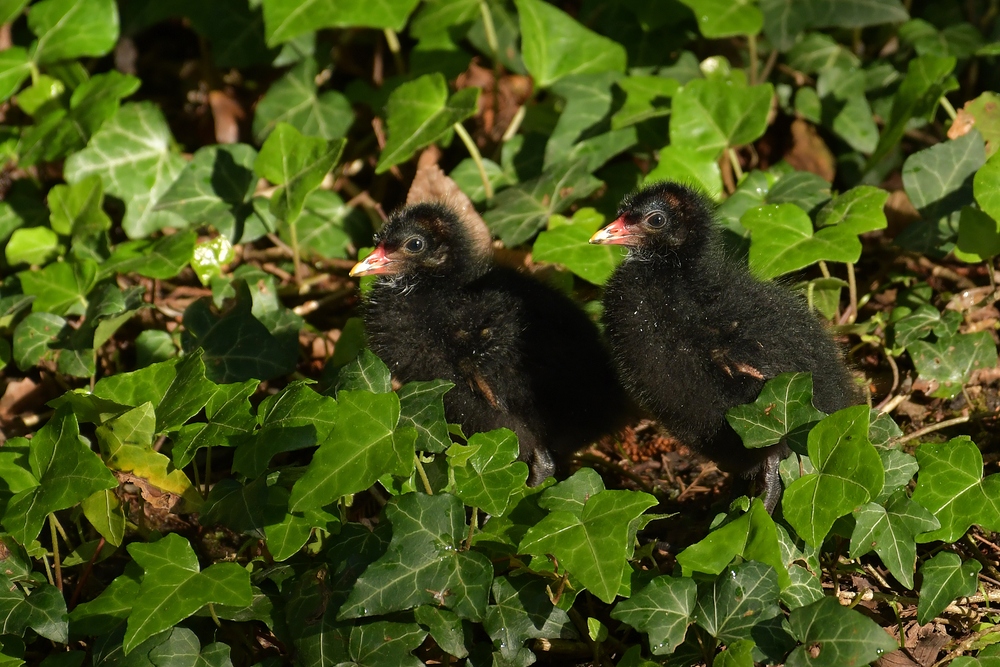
693 333
522 355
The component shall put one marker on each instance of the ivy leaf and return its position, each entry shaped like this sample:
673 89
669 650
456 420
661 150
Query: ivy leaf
237 346
70 29
945 578
229 421
848 473
66 470
365 373
423 564
721 18
662 609
984 187
710 115
571 495
295 99
554 45
127 446
523 611
490 471
520 211
688 166
215 188
321 230
745 596
15 68
44 611
132 155
76 209
285 19
361 449
446 628
60 288
34 245
422 407
978 235
950 361
163 258
646 97
174 587
783 407
105 513
951 485
595 545
177 389
386 643
835 636
857 211
296 418
419 113
569 244
782 240
297 163
927 79
922 322
751 535
890 531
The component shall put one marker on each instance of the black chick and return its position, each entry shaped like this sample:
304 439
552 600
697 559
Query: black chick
522 355
694 334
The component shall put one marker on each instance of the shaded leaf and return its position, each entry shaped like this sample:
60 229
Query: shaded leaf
662 609
783 406
835 636
945 578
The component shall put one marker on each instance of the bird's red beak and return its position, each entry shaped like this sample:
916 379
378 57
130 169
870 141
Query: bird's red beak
376 263
617 233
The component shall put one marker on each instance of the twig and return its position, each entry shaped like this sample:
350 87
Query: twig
86 574
392 39
965 645
893 404
752 48
933 427
978 554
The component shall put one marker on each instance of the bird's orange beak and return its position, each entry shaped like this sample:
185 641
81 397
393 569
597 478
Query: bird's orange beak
617 233
376 263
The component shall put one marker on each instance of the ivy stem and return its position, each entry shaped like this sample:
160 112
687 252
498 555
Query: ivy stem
55 552
490 30
86 574
197 477
293 234
752 48
473 520
735 162
62 531
852 288
208 470
392 39
423 475
949 109
824 268
933 427
515 124
211 610
477 157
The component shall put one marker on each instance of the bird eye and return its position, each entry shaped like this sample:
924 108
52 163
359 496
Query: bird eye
656 220
415 244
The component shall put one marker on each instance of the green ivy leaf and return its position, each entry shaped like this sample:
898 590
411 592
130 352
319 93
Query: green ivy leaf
105 513
662 609
423 564
722 18
320 230
44 611
690 166
420 113
978 235
857 211
848 473
361 449
751 535
67 471
76 209
490 471
296 418
163 258
782 240
950 361
737 601
60 288
421 406
365 373
132 153
523 611
295 99
177 389
386 643
783 407
215 188
844 637
237 346
519 212
951 485
285 19
34 337
33 245
69 29
569 244
296 162
890 531
15 68
710 115
945 578
595 545
445 627
646 97
229 421
174 587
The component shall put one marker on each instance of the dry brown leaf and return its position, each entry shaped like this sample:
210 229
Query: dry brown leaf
17 399
899 212
498 104
964 121
431 184
809 152
156 497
